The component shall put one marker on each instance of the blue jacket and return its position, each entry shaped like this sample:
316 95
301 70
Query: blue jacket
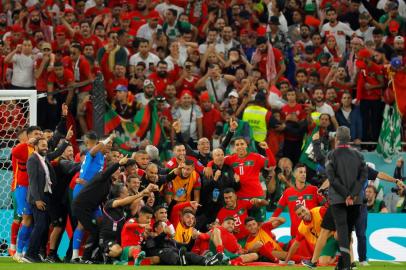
354 123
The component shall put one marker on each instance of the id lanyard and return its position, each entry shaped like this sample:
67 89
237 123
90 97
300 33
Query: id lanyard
115 222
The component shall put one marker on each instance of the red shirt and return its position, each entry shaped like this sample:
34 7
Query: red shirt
160 83
186 84
41 82
291 197
248 169
21 153
239 213
95 41
139 19
278 60
229 240
369 75
84 69
210 120
61 83
173 164
132 234
309 67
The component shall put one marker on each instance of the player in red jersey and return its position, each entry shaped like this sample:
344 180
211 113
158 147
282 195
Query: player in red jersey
222 240
15 226
301 193
132 236
248 166
21 153
238 209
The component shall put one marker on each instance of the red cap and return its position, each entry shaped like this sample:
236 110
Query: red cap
185 92
393 26
69 10
60 29
125 16
364 53
154 15
261 31
204 96
17 28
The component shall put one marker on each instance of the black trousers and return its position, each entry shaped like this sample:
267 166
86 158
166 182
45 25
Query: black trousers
372 116
85 217
345 218
170 256
40 228
360 230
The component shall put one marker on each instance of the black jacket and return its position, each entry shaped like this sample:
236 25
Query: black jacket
347 172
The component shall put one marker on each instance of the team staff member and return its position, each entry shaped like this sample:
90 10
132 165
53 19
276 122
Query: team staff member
248 166
87 201
346 171
41 177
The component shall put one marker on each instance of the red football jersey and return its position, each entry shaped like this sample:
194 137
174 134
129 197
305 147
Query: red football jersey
239 213
132 234
229 240
248 169
291 197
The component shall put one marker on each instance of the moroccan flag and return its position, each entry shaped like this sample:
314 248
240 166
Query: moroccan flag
399 87
389 142
111 120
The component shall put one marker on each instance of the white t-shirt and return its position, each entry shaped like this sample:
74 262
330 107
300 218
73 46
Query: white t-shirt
172 62
23 70
184 117
163 7
340 31
152 58
145 31
220 87
367 35
325 108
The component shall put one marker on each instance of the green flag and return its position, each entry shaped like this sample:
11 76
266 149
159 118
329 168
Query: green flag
389 142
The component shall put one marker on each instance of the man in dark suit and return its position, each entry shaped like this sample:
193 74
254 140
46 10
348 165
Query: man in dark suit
41 177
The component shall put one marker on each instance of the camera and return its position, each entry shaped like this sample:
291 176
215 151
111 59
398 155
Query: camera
396 191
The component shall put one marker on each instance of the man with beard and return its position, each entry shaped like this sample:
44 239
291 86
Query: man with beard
144 55
118 78
162 78
259 59
42 180
336 28
84 36
151 176
322 107
35 23
124 103
141 14
351 16
147 95
3 24
183 184
399 46
111 54
305 38
227 42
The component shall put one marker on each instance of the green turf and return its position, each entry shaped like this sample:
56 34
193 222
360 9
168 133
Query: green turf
9 264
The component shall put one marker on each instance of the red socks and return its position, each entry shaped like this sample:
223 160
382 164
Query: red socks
146 261
14 232
220 249
237 261
266 251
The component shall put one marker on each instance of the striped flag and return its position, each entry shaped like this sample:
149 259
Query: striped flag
389 142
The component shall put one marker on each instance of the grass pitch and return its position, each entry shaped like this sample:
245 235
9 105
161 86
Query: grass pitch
9 264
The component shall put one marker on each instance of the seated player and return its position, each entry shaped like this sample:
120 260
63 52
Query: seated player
308 231
238 209
222 240
132 236
171 253
262 241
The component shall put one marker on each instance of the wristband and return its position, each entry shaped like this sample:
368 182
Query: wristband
106 141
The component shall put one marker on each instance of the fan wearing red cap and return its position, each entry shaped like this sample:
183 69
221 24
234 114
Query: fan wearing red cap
60 44
370 85
84 35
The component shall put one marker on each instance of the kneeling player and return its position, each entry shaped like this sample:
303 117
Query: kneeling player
309 231
222 240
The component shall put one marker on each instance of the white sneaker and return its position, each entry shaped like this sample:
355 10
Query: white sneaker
17 258
364 263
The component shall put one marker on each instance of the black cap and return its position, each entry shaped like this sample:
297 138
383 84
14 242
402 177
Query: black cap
309 49
274 20
245 14
261 40
161 206
260 96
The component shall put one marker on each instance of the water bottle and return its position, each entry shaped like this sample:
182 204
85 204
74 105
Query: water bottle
216 193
